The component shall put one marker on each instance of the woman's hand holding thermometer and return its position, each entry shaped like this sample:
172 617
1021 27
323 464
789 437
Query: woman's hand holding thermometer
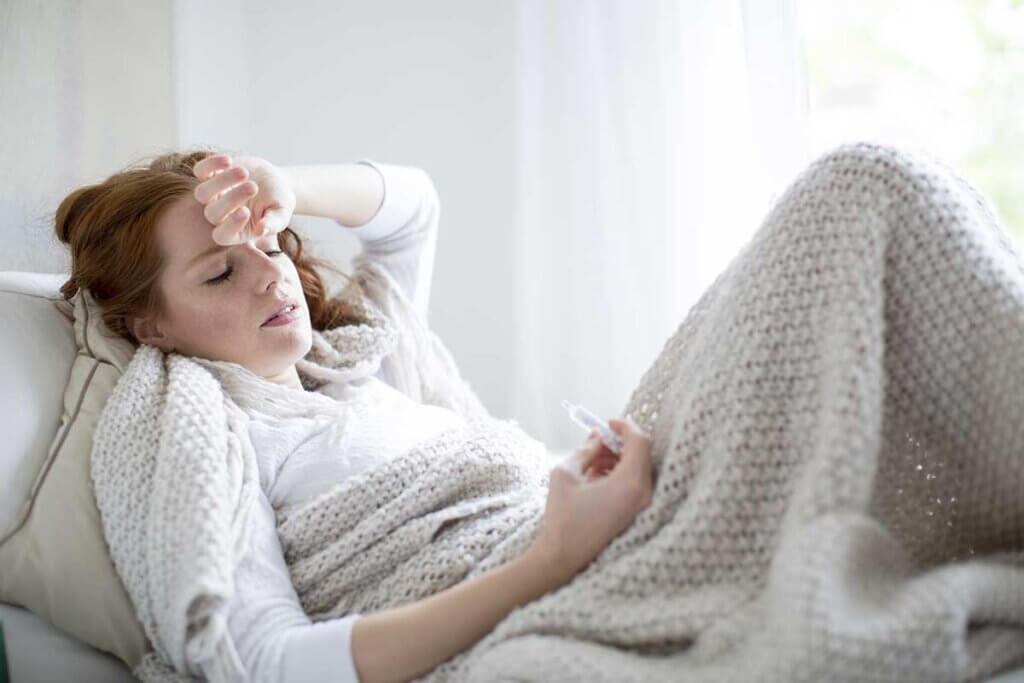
585 513
588 421
601 452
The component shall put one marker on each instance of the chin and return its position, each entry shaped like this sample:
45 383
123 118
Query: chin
285 345
303 342
305 346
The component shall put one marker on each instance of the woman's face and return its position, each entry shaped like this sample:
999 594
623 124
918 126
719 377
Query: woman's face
217 299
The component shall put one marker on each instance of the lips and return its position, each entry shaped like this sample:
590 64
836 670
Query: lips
281 308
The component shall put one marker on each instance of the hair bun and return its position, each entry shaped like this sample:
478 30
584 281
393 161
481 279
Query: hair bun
64 227
71 210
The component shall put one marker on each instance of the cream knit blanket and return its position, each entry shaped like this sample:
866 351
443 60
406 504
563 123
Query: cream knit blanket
837 428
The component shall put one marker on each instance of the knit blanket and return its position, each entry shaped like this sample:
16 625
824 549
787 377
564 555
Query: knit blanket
836 426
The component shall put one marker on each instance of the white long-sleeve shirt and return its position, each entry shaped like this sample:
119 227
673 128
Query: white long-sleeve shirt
276 640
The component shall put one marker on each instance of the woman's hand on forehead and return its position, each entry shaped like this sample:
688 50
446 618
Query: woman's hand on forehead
243 198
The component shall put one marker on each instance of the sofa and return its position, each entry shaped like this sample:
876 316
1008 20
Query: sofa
79 629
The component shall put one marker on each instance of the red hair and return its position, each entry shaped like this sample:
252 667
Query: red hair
110 228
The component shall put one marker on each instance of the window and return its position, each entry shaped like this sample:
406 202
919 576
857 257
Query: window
945 75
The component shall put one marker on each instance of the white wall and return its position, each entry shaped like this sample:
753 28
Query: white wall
423 84
88 87
85 89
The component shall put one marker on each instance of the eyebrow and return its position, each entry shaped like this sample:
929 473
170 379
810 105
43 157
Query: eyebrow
216 249
212 250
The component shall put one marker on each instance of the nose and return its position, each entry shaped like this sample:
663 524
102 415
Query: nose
268 269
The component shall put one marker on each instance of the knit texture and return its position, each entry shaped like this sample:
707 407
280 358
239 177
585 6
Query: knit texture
836 429
173 414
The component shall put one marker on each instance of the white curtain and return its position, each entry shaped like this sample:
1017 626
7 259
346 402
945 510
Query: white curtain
652 137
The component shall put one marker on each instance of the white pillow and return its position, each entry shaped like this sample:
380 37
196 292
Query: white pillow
38 343
59 366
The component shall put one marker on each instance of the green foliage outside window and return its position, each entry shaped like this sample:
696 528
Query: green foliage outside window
945 75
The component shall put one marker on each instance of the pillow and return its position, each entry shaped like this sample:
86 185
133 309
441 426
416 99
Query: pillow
54 559
39 347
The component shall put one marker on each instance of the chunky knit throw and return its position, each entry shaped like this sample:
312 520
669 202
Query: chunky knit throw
837 431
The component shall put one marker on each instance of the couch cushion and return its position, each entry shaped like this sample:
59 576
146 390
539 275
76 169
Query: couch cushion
39 347
60 365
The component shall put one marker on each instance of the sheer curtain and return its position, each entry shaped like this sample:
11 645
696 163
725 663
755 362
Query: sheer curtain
652 137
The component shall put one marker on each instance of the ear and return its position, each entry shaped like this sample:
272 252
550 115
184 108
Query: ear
148 331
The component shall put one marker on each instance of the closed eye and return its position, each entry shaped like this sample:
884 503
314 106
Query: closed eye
226 275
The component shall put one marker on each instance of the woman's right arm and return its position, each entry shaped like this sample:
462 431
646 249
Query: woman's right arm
581 518
408 641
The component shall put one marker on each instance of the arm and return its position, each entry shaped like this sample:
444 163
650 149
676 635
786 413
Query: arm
276 641
404 642
580 519
351 194
393 210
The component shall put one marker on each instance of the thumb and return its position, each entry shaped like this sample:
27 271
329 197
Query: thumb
618 424
635 442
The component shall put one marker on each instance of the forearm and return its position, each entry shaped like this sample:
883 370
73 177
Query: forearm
349 193
408 641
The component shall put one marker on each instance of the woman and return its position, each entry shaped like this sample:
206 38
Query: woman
834 430
193 255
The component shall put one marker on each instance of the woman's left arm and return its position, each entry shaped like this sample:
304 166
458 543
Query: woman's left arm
350 193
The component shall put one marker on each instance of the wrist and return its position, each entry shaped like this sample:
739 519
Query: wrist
350 193
294 179
544 561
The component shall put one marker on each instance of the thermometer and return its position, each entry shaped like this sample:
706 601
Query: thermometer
588 421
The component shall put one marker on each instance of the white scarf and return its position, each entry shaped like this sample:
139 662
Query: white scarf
184 420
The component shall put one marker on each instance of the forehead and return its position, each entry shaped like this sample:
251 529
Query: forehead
184 232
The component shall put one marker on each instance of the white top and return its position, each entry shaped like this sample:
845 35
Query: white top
276 640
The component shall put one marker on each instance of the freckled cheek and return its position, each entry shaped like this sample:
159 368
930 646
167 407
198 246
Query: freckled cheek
230 323
224 324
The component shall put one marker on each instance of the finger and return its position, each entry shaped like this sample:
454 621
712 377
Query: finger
566 471
591 441
586 459
209 165
620 423
622 427
234 230
273 221
599 468
601 464
596 454
221 208
208 190
636 450
217 210
604 461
